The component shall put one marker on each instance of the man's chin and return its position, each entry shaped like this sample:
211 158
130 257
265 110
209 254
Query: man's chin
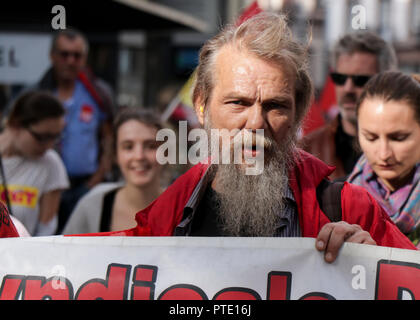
254 165
250 169
68 75
348 113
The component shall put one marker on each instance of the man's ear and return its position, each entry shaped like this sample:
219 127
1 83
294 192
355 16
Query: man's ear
53 56
199 109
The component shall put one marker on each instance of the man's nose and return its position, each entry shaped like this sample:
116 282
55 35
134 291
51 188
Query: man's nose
71 59
349 85
256 118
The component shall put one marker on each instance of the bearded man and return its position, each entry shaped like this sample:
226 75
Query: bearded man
254 78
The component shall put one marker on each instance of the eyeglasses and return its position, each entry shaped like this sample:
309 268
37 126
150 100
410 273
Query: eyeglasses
44 137
65 54
358 80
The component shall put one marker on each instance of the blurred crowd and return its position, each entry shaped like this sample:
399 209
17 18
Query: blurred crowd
63 140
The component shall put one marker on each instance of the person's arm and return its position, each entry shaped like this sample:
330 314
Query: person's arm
48 209
106 156
364 221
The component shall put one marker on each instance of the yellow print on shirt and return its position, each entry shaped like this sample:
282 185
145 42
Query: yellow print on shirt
20 195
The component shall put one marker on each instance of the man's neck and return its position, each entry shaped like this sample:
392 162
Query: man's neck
140 198
65 89
348 127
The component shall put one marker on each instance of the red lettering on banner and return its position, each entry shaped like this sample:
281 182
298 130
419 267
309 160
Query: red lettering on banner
237 294
394 278
279 285
144 279
38 288
115 287
183 292
11 287
317 296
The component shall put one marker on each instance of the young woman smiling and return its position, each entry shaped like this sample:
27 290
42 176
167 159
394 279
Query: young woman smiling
388 114
112 206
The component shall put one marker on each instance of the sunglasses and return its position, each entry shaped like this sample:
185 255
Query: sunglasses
66 54
44 137
358 80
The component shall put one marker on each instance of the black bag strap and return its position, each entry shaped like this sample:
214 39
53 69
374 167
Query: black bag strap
328 195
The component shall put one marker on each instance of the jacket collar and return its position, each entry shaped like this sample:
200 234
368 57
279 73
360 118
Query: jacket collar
304 178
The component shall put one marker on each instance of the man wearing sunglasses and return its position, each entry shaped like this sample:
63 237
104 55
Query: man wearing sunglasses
89 107
355 58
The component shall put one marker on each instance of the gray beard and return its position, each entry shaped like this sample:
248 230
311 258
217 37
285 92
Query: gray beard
252 205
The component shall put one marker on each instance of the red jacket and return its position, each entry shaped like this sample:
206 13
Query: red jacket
358 207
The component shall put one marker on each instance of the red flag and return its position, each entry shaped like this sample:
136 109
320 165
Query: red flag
252 10
313 119
327 98
321 110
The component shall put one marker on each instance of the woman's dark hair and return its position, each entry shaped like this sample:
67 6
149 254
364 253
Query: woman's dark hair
145 116
33 107
393 86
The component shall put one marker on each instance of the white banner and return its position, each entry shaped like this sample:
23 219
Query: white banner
166 268
24 57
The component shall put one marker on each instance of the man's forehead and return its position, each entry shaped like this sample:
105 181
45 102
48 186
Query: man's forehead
358 61
65 41
235 65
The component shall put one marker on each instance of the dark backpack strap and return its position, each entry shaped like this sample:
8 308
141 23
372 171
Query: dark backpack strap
328 195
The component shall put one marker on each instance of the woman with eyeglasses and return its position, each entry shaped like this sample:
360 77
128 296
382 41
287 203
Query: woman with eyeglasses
33 173
388 116
112 206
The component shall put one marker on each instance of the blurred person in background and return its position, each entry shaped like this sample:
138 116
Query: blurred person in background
112 206
388 115
34 175
85 146
356 57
